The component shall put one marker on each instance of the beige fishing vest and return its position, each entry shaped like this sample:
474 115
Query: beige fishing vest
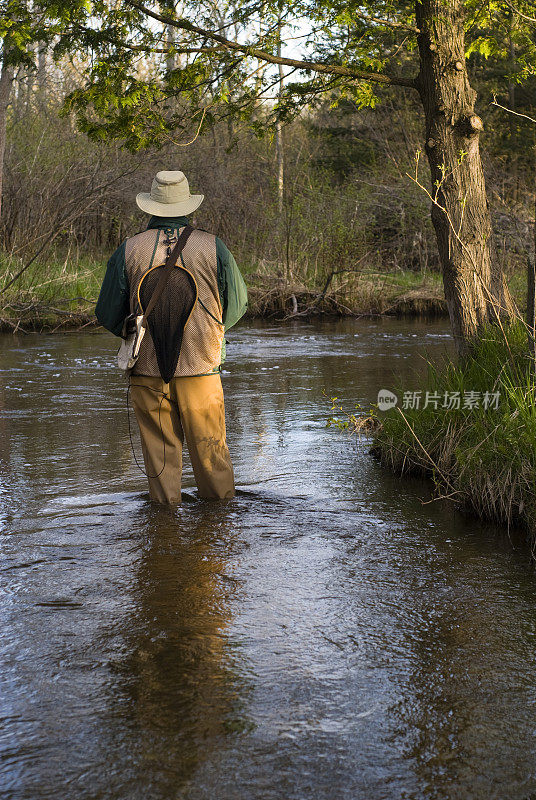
203 334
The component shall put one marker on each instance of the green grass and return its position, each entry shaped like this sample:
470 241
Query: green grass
517 283
62 291
58 293
56 279
484 459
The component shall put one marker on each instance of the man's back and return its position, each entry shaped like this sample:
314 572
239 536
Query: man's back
203 331
175 385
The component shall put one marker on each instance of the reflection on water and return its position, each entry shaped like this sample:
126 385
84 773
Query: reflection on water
325 634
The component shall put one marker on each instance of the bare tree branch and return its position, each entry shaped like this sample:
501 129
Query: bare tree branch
81 204
515 113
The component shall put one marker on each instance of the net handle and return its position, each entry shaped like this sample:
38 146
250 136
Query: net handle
171 260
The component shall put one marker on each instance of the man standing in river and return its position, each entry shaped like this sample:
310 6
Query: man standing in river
175 383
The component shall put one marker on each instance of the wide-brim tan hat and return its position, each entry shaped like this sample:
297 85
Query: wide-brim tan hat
169 196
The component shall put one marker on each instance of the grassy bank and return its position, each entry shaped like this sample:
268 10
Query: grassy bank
62 294
483 458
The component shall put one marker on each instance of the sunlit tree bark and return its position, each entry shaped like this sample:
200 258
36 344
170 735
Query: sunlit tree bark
475 289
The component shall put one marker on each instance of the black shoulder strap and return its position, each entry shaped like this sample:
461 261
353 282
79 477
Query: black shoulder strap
171 260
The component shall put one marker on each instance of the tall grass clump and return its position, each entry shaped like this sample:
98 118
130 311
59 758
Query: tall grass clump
57 293
482 456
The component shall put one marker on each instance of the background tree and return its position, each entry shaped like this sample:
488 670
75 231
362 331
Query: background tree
349 49
27 30
352 53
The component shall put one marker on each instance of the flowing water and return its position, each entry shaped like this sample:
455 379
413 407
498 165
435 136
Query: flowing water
327 634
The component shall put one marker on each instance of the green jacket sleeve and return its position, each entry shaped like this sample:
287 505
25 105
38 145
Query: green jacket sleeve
231 285
113 304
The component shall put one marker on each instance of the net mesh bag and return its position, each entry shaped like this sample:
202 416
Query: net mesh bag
168 318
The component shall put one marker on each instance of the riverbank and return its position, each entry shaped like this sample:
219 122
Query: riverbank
62 294
472 430
66 299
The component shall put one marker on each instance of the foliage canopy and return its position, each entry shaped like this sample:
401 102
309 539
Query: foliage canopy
151 70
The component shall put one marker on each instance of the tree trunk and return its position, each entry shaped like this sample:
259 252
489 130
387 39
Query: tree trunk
6 79
530 316
280 155
42 77
170 41
475 289
531 296
511 118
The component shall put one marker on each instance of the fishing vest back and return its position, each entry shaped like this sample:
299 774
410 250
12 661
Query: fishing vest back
203 333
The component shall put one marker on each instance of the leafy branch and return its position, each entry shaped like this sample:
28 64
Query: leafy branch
263 55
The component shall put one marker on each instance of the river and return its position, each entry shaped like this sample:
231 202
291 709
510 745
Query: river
328 634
